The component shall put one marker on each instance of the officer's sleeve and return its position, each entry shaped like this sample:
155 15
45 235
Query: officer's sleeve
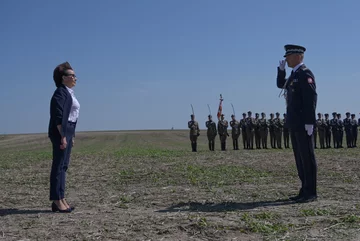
281 74
309 97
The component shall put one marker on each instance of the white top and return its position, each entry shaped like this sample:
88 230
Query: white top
75 108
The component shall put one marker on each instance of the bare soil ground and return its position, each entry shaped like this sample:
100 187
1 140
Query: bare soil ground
148 185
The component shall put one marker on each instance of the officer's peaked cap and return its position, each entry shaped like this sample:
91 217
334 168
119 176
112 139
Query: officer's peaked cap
294 49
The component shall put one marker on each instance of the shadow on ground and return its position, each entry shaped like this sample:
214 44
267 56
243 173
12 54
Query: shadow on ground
15 211
222 207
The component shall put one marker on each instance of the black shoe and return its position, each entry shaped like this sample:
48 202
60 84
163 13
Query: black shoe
307 199
55 208
295 198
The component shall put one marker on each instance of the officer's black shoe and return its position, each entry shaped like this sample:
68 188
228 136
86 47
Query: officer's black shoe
307 199
295 198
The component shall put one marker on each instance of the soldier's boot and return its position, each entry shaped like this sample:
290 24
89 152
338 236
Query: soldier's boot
192 146
195 146
234 145
210 146
237 144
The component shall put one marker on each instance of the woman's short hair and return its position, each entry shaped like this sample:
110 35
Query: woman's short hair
59 72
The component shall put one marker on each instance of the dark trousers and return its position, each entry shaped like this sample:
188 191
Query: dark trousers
61 159
327 138
286 138
303 147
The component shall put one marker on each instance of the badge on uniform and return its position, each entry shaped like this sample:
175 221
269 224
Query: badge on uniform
310 80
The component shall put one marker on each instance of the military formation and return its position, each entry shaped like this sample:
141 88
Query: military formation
328 133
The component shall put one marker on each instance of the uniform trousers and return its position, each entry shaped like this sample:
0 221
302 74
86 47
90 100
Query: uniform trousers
303 148
60 163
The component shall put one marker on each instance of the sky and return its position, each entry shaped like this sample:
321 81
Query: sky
141 64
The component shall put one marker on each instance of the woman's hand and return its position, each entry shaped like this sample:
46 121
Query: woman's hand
63 143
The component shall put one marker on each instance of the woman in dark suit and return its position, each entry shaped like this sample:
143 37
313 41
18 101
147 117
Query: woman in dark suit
64 112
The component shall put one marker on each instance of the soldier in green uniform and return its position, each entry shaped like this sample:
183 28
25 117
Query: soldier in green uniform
334 131
340 129
272 131
263 130
315 134
348 130
194 132
211 132
286 132
250 128
222 131
327 131
235 132
243 130
257 131
321 125
278 130
354 130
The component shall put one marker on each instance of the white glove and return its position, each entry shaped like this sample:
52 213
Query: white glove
309 129
282 64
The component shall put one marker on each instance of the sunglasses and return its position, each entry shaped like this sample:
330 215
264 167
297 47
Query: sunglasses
70 75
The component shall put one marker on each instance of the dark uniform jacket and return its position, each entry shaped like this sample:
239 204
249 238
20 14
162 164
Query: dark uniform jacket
301 97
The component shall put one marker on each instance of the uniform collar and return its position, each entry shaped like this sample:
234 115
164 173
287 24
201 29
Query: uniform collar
297 66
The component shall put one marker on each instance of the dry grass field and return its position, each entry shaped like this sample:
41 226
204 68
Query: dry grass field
148 185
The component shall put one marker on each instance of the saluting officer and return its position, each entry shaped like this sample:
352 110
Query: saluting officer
194 132
211 132
301 100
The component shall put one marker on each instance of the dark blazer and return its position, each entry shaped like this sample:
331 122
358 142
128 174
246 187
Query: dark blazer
60 106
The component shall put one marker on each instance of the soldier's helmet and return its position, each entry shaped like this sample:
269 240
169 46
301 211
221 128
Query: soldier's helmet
249 112
209 116
334 113
232 116
277 113
347 113
352 114
256 114
244 114
326 114
319 113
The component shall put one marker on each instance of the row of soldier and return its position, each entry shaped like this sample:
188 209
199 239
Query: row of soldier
258 129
